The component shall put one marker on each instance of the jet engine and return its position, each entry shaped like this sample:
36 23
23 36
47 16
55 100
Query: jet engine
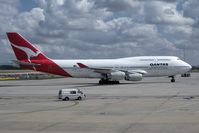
133 77
115 76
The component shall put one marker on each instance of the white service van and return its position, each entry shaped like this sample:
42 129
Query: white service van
71 94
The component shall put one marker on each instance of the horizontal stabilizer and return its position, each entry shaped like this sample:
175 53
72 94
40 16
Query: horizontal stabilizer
25 63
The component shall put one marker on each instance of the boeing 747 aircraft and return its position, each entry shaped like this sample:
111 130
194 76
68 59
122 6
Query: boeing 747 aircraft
107 70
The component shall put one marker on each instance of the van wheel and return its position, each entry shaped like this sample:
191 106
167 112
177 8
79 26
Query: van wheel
79 98
66 99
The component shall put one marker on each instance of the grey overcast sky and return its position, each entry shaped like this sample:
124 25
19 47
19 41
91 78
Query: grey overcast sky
72 29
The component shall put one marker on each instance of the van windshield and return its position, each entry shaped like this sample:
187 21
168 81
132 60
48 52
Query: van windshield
80 92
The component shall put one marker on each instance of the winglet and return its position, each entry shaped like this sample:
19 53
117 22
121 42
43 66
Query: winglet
82 65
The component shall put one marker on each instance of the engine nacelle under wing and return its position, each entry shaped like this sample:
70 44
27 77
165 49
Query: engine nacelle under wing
133 77
115 76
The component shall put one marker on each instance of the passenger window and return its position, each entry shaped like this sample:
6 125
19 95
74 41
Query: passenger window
73 92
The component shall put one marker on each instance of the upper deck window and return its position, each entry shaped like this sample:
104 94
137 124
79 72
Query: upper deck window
146 59
164 59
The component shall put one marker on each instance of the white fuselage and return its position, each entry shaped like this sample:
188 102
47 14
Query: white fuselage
153 65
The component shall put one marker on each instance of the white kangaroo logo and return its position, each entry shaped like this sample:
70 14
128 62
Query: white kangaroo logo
30 53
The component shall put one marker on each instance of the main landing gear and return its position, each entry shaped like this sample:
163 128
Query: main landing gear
103 81
172 78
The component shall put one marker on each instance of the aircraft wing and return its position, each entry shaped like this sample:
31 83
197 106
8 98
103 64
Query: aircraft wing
98 70
107 70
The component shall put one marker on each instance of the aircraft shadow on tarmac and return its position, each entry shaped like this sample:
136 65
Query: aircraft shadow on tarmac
88 84
121 84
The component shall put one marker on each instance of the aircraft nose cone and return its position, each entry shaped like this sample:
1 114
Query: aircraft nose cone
189 67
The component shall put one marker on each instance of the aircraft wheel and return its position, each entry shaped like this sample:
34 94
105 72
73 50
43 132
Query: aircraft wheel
117 82
101 82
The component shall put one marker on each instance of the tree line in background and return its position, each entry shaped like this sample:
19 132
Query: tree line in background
9 67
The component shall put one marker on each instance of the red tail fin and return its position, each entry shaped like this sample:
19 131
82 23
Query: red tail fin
23 49
29 57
